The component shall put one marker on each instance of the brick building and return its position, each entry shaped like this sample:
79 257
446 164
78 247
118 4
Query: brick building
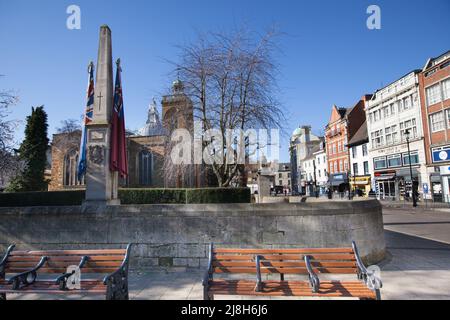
434 86
343 124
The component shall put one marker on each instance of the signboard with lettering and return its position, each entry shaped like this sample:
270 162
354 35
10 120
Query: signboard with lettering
440 154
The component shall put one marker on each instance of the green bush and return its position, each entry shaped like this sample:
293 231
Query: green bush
42 198
152 196
218 195
129 196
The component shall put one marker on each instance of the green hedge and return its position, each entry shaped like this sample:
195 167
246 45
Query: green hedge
152 196
129 196
218 195
42 198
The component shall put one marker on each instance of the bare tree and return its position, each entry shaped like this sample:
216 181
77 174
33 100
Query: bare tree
69 126
9 164
232 82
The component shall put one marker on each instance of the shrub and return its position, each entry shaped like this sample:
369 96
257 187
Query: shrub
42 198
129 196
218 195
152 196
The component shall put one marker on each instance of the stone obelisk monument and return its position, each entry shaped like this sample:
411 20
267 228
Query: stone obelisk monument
101 187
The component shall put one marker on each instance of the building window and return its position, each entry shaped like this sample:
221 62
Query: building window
391 134
366 167
408 125
355 169
446 89
354 152
394 161
145 168
279 175
437 122
345 165
335 167
289 175
340 146
334 149
364 149
377 138
71 169
379 163
433 94
280 183
414 158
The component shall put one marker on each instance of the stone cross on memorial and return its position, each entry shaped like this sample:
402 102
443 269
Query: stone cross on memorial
101 184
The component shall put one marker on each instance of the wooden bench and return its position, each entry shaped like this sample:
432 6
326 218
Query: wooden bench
309 262
24 269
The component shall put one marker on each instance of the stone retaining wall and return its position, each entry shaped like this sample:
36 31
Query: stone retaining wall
177 236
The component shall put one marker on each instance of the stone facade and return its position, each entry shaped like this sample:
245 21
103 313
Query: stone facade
177 236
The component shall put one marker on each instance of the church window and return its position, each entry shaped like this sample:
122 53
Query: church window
145 168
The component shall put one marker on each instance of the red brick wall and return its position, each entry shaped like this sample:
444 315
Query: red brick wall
439 137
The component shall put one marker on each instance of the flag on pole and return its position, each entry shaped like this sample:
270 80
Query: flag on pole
87 119
118 158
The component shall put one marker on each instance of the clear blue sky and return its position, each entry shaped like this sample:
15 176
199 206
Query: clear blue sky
329 56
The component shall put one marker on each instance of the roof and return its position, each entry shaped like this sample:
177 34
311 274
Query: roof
360 137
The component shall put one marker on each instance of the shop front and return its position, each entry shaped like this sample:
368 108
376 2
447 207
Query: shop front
396 184
339 182
361 185
440 180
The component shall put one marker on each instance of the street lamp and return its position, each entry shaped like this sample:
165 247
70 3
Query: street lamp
316 194
407 134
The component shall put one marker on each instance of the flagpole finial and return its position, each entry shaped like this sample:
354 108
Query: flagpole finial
90 66
118 61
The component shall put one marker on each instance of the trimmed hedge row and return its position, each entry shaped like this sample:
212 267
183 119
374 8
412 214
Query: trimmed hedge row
41 198
129 196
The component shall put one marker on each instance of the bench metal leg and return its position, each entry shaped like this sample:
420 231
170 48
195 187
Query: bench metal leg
378 294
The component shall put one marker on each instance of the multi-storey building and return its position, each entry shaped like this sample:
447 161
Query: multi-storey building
283 176
315 170
302 142
434 83
360 164
392 113
343 124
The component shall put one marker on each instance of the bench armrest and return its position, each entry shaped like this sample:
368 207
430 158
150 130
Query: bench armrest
209 272
370 279
314 280
122 271
5 259
62 280
258 286
23 278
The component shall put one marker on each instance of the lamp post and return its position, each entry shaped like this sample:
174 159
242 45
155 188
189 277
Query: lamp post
407 133
316 194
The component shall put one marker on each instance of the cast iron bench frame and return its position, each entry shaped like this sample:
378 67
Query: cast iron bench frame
22 264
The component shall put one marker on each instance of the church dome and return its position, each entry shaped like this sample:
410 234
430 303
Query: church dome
153 126
177 86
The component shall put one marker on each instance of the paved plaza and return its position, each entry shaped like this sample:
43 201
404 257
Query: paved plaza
417 265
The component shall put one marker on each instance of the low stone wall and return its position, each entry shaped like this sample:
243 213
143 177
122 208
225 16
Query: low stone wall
177 236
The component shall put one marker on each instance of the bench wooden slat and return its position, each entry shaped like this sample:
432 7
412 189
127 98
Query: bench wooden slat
277 251
64 264
74 258
69 252
348 257
264 264
284 270
62 270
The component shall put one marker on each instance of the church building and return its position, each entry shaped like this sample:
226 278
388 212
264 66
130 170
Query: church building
146 149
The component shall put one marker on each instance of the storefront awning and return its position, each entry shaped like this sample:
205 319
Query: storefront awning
384 177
